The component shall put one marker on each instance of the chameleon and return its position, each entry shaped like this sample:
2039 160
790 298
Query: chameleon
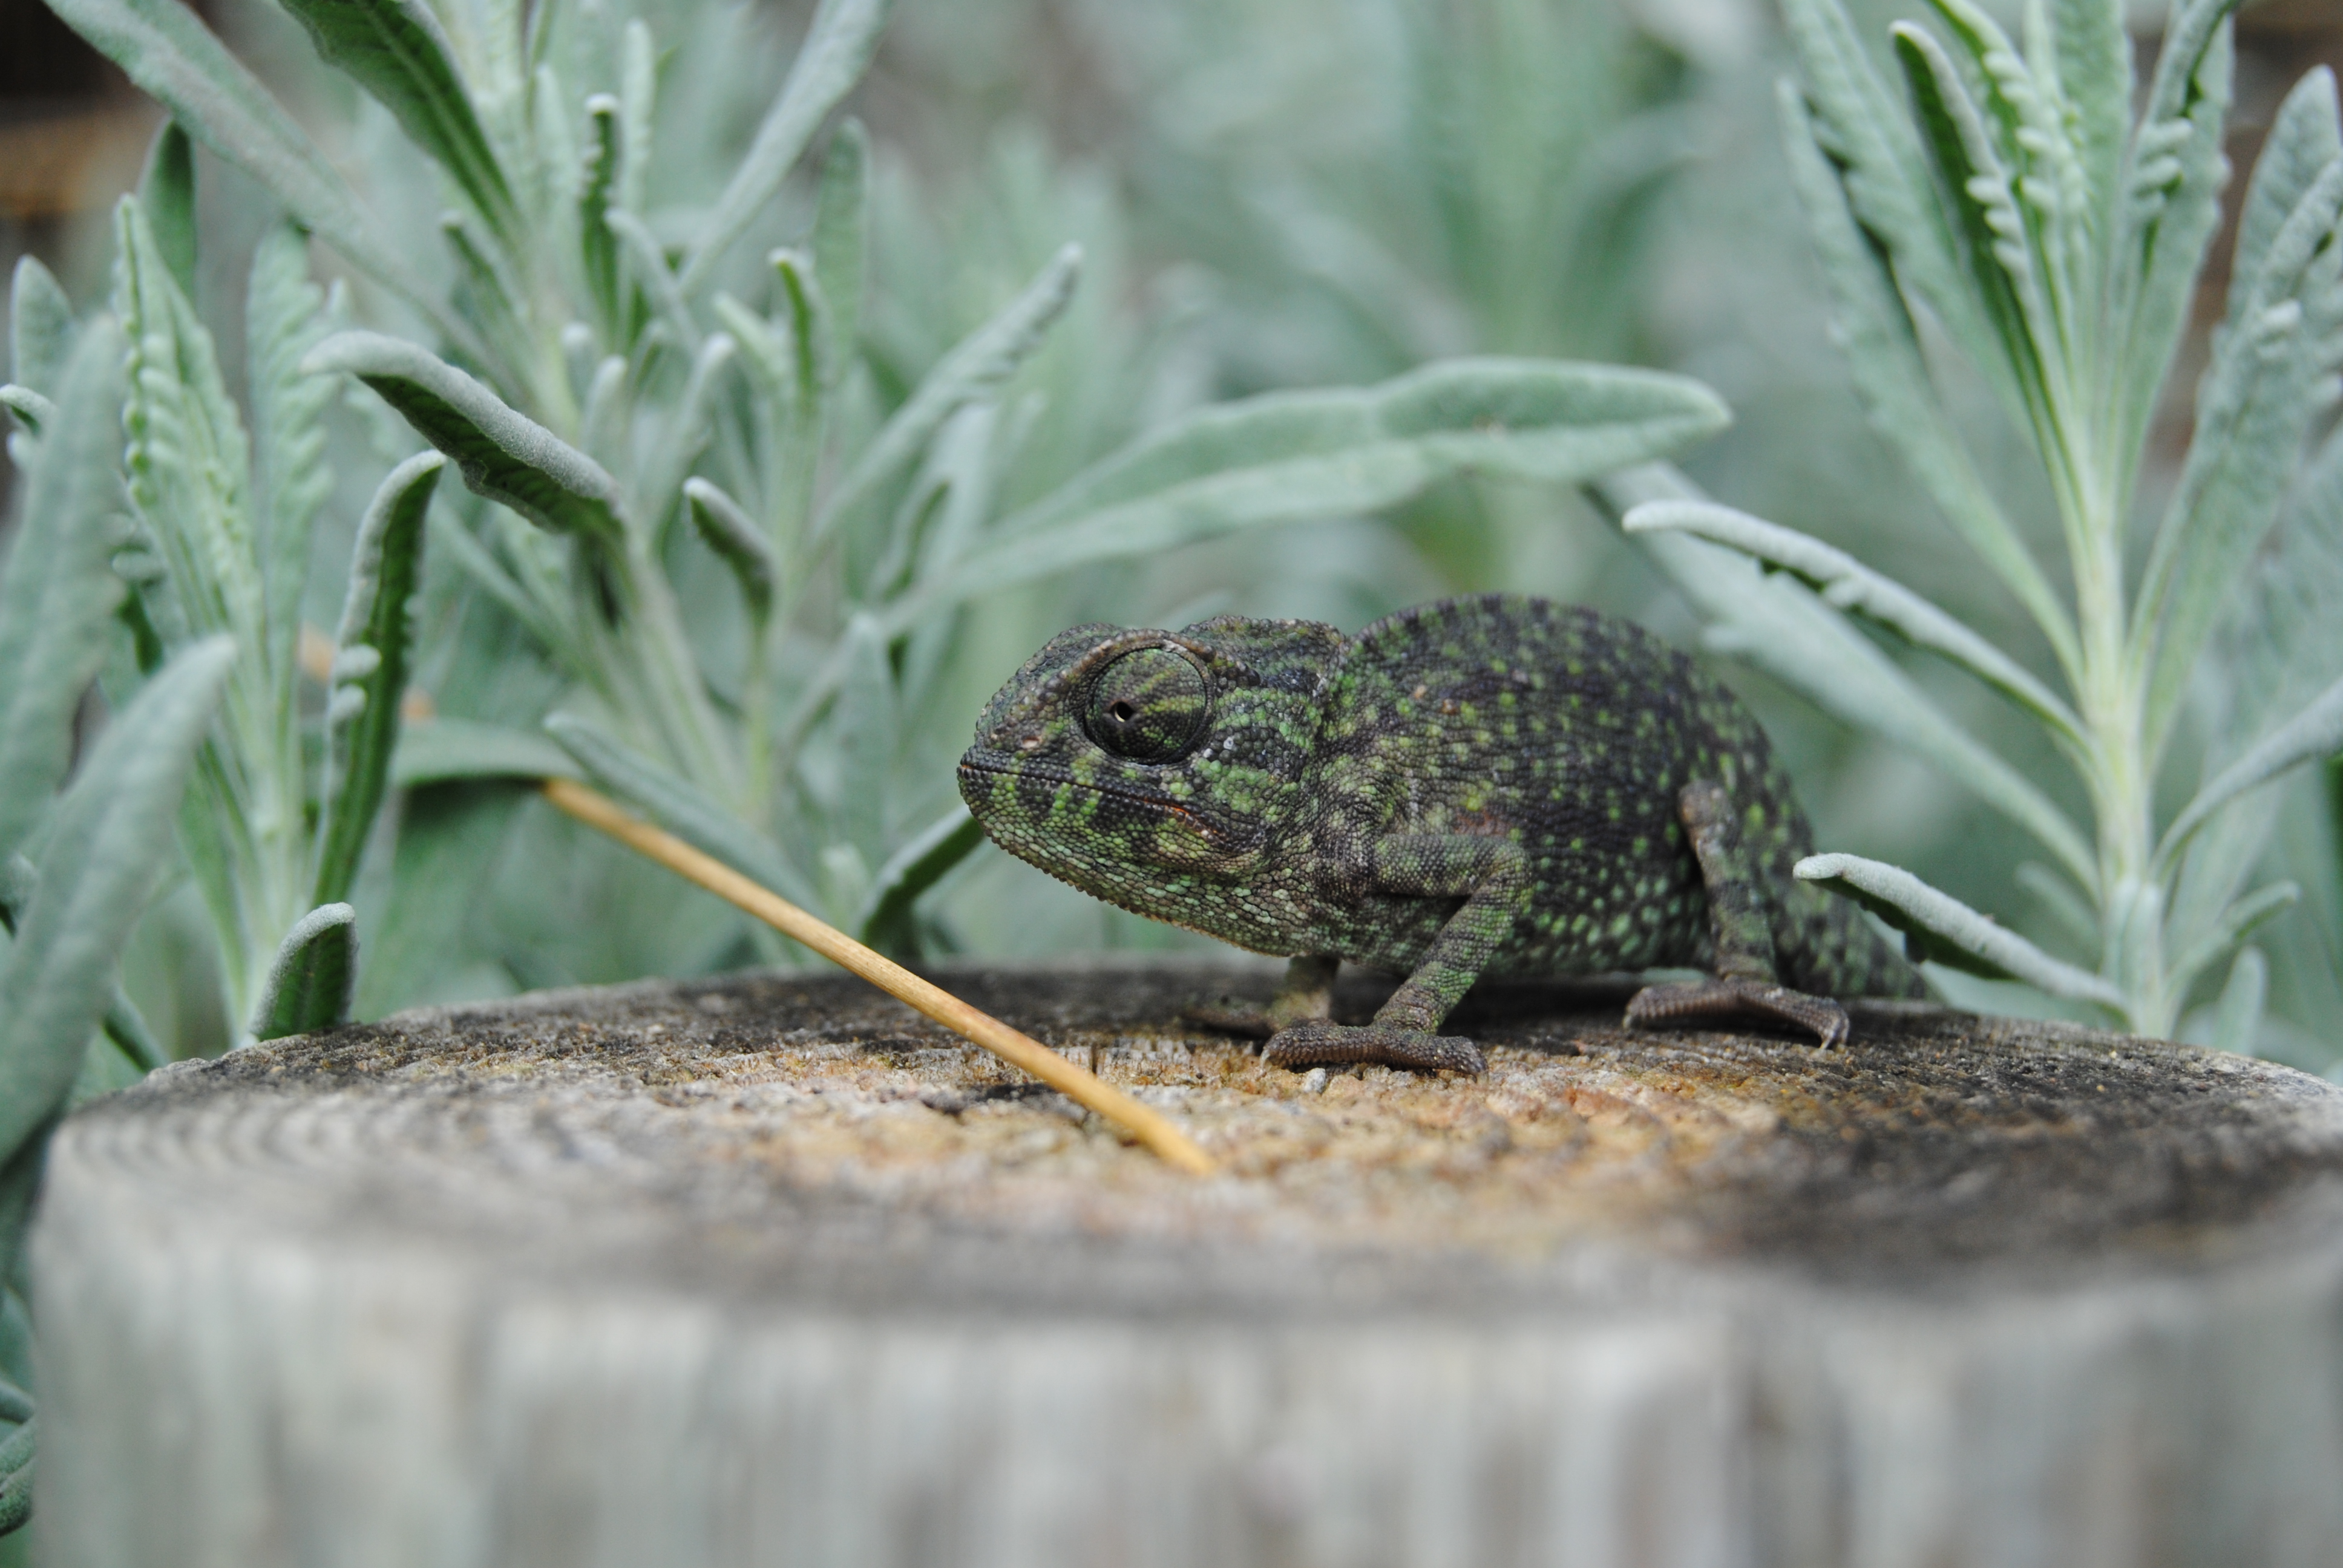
1495 785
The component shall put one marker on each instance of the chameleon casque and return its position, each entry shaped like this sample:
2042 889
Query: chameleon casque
1491 786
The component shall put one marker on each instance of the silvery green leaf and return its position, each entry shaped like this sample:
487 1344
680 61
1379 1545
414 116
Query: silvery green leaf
837 50
2238 1020
976 368
737 542
110 838
40 329
1846 584
58 594
910 871
2170 210
646 265
2315 732
1875 329
188 459
868 720
312 976
397 51
33 411
545 622
1991 244
2303 140
167 190
2094 75
2271 375
503 454
1864 128
2234 924
386 563
164 47
284 317
450 839
638 100
1787 631
688 428
1941 928
444 749
126 1026
841 216
679 807
1288 455
598 248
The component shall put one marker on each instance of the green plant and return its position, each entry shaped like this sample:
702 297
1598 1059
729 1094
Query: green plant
76 870
2011 217
648 403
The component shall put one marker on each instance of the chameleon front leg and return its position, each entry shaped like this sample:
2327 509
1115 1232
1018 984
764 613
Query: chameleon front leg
1491 875
1742 925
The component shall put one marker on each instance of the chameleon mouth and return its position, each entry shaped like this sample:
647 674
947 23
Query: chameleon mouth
978 765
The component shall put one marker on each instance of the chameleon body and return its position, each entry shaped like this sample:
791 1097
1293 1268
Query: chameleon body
1489 786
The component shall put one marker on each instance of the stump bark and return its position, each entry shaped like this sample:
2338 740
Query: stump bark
770 1270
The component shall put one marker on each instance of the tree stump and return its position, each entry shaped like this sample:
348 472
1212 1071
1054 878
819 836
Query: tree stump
770 1270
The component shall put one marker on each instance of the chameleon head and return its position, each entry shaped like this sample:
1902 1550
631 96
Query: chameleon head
1138 765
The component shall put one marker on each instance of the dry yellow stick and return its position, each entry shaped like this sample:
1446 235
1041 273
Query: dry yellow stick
1153 1129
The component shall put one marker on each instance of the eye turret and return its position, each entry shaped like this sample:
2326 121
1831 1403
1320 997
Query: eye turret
1149 706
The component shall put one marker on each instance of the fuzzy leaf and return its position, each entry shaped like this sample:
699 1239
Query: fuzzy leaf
976 368
2236 924
2315 732
869 724
395 50
450 838
1875 330
2238 1020
910 871
1790 633
837 50
2094 75
284 319
727 531
310 980
110 840
40 329
598 248
166 49
1940 928
841 216
1288 455
57 596
2304 139
503 454
443 749
1846 584
371 665
678 806
167 191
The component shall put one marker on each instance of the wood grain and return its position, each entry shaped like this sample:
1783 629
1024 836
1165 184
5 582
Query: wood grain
773 1269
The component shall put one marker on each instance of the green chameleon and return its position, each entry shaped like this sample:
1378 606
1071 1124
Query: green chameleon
1497 786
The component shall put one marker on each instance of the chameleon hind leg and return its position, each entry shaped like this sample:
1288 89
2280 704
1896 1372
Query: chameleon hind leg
1745 980
1306 994
1491 876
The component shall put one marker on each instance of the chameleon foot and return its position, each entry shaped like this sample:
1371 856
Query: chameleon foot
1668 1004
1318 1043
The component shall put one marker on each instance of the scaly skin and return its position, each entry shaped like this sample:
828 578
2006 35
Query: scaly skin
1492 786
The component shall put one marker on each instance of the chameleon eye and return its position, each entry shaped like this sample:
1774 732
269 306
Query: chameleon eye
1149 705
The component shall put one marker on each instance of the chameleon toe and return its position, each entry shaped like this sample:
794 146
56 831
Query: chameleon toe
1318 1043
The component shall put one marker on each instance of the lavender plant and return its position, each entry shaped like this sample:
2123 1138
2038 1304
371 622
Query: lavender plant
645 396
2008 213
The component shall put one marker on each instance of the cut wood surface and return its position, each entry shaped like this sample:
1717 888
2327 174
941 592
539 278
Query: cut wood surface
772 1270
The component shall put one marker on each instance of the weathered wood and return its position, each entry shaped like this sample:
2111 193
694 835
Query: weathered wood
772 1270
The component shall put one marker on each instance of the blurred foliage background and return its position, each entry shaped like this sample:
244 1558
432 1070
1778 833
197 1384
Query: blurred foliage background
1269 193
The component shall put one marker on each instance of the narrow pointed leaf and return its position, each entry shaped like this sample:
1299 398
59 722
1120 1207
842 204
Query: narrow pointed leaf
726 530
679 807
977 367
598 248
1846 584
395 50
167 191
2236 924
371 654
57 596
841 215
2238 1020
310 980
166 49
2304 139
111 838
1288 455
1939 928
443 749
40 329
910 871
837 50
2314 733
2095 74
284 319
503 454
